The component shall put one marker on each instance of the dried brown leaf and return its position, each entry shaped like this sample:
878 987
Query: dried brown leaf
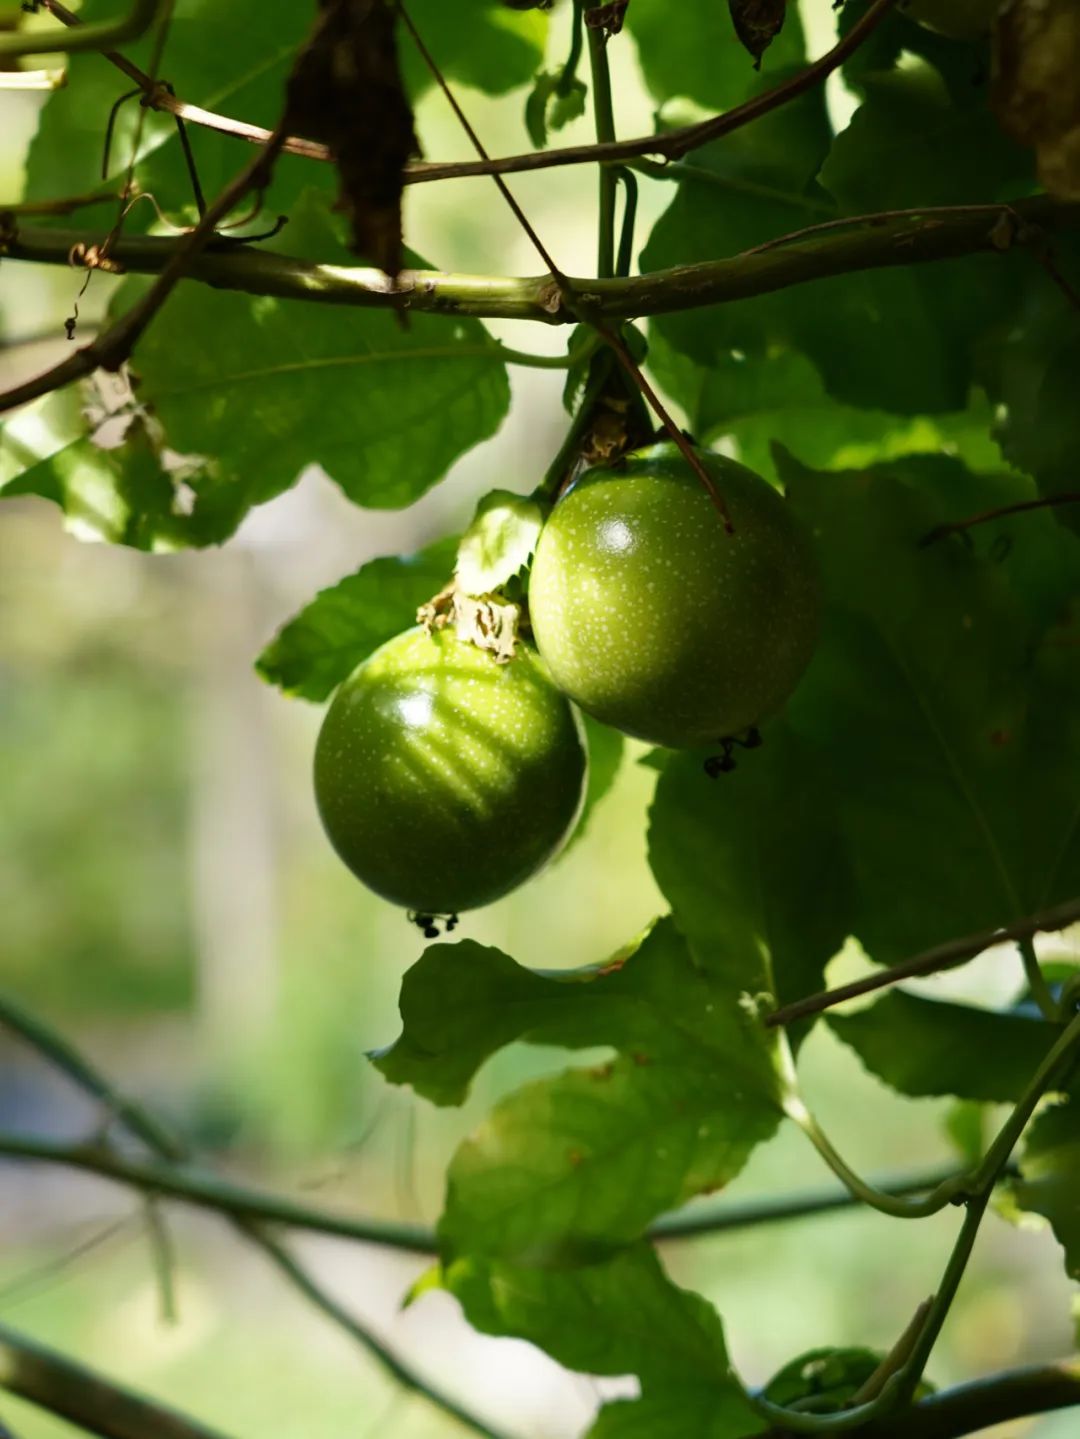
1036 86
346 90
757 23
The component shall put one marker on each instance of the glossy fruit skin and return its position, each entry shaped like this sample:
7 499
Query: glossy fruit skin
444 779
654 619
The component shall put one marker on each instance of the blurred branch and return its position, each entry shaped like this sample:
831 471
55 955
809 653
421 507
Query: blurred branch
983 1403
141 1123
85 1398
210 1191
931 961
101 36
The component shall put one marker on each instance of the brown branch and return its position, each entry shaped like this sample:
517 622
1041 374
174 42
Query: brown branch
671 145
931 961
957 527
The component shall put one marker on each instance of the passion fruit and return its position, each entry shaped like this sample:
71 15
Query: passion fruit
656 620
445 779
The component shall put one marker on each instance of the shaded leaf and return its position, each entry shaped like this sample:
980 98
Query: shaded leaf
570 1166
552 104
931 1047
343 624
752 862
695 53
624 1316
346 91
1050 1176
940 702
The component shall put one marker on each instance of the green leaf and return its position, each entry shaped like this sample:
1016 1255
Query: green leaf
752 862
1032 377
475 42
549 109
570 1166
498 543
344 623
621 1317
1050 1176
941 703
248 391
606 747
930 1047
697 53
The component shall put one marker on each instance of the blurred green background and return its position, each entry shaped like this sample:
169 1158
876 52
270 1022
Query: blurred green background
167 899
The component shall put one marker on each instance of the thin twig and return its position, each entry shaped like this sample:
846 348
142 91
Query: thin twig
956 527
931 961
478 145
114 346
670 144
144 1126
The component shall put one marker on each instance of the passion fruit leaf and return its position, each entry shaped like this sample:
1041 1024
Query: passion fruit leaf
568 1167
343 624
234 379
925 1046
477 42
461 1003
1031 376
965 793
699 55
1050 1176
753 863
548 108
498 543
623 1316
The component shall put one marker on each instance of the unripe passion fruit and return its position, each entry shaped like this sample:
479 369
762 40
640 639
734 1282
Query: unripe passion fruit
445 779
654 619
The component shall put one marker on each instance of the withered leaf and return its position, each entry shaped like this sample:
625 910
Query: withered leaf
346 90
608 18
757 23
1036 86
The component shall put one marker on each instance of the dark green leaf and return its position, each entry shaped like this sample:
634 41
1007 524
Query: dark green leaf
569 1166
697 53
942 700
624 1316
548 108
926 1046
752 862
1050 1181
343 624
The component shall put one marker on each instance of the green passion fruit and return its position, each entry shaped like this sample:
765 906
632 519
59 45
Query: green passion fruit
655 619
445 779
